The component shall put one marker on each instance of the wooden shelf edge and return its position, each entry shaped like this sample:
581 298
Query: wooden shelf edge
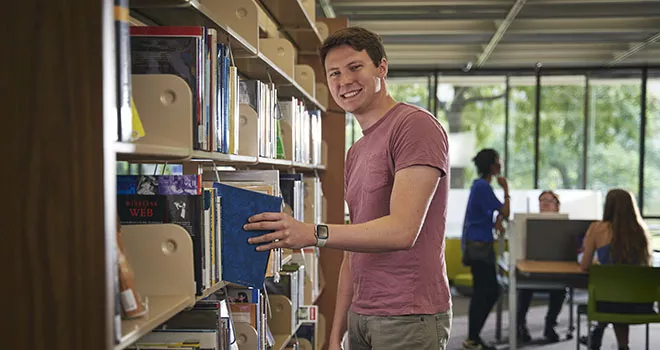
214 288
161 308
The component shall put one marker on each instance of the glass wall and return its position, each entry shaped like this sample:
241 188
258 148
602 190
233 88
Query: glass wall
651 205
522 132
413 90
472 110
561 132
589 127
614 131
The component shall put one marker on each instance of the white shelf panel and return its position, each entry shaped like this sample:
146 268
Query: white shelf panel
277 162
224 158
128 151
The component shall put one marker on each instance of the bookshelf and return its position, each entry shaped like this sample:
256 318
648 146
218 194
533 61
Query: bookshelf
160 310
62 169
296 22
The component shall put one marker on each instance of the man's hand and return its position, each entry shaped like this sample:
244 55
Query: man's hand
289 232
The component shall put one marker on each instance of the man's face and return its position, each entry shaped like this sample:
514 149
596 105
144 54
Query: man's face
548 203
353 79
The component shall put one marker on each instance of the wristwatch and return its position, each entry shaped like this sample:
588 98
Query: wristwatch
321 233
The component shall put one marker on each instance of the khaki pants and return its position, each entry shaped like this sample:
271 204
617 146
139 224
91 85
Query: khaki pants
408 332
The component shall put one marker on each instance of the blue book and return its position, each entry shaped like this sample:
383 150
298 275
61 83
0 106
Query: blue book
241 262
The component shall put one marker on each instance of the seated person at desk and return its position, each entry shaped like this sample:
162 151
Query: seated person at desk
620 238
548 203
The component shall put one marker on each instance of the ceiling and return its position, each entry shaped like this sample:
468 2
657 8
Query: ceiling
457 34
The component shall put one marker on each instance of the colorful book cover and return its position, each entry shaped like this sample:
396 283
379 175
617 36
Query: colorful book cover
179 184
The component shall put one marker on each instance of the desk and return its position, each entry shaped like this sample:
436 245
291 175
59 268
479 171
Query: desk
549 267
541 274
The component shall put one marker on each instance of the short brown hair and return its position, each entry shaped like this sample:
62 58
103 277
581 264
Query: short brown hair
359 39
550 192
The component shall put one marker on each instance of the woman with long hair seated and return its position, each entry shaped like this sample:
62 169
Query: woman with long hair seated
620 238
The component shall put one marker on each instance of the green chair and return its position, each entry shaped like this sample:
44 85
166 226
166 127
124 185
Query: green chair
622 284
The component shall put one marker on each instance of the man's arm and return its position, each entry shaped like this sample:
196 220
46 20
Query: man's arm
414 188
344 298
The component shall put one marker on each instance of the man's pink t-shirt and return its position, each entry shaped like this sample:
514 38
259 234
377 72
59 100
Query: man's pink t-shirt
410 281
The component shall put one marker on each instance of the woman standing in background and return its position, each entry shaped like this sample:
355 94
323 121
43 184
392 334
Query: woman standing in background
478 252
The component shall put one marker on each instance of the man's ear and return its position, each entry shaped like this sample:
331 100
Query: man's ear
383 68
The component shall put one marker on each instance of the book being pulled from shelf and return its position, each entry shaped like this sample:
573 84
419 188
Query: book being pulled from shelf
241 262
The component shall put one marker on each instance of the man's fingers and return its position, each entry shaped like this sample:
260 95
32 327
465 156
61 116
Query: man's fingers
269 237
264 226
265 217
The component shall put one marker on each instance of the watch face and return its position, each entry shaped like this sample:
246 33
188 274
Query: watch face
322 231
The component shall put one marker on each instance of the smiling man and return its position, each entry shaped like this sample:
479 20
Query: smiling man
393 291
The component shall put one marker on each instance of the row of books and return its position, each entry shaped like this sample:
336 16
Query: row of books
230 115
301 132
213 208
194 54
213 213
238 318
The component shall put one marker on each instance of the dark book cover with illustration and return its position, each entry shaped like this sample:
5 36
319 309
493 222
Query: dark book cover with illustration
159 184
183 210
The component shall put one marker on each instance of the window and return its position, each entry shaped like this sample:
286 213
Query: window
522 104
413 90
651 204
614 131
561 132
472 111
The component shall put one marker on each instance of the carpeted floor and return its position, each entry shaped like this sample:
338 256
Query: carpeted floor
535 320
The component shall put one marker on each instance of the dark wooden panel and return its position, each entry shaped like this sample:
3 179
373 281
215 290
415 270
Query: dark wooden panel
53 236
334 133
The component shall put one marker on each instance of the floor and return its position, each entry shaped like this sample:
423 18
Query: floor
535 320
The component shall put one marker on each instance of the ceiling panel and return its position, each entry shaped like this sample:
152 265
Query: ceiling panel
563 33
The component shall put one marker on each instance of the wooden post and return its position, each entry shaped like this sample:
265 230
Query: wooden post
55 280
334 134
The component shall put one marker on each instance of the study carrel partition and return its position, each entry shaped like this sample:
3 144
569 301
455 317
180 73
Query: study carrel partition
554 240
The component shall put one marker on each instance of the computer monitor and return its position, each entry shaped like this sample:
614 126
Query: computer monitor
554 240
518 239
